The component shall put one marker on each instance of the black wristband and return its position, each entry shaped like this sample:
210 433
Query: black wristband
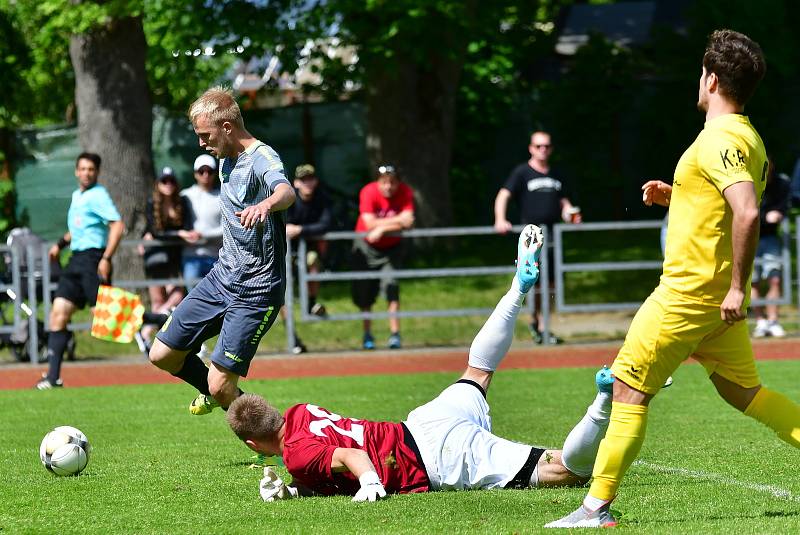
62 243
106 258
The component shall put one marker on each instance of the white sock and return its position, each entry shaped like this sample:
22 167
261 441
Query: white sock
534 480
593 504
493 340
580 448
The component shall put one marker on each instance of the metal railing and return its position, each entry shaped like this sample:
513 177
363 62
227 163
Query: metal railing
15 287
48 288
304 277
561 268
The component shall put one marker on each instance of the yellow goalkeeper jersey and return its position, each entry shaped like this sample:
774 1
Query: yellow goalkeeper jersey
699 254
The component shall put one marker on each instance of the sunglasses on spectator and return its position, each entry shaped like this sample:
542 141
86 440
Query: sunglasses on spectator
387 170
168 180
205 171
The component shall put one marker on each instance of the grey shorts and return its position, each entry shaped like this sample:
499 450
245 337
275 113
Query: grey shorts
367 258
208 311
769 259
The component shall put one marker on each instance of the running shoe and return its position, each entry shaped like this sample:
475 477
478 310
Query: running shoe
203 404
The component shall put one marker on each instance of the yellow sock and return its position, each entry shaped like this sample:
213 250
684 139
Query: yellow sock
777 412
618 449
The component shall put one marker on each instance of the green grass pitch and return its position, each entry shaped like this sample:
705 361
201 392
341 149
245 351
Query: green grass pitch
155 469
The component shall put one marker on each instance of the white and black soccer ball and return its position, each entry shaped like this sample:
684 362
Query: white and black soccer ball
65 451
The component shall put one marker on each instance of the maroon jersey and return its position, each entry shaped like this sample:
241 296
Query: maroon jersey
312 434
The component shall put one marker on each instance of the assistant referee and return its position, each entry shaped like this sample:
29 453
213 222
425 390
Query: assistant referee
95 229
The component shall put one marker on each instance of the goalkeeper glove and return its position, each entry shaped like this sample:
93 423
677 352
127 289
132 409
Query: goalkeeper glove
371 488
272 488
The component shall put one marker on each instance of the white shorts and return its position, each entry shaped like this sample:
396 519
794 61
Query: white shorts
454 436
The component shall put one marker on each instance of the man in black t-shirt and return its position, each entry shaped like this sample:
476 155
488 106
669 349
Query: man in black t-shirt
309 217
543 199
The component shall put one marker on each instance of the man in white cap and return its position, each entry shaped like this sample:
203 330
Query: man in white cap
205 215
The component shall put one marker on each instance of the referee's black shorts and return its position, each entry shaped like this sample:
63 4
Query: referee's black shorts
79 280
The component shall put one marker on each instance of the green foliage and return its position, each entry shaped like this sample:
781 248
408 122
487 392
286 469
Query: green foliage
192 43
619 115
152 462
172 27
7 203
47 25
14 60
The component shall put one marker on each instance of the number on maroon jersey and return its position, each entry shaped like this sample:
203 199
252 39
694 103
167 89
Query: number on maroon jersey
327 419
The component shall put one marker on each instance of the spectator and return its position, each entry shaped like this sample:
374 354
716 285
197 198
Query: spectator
95 229
769 255
198 259
543 199
385 205
795 187
309 217
168 219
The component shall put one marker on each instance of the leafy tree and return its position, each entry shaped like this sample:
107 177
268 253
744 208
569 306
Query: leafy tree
106 53
99 48
443 81
13 61
411 59
411 54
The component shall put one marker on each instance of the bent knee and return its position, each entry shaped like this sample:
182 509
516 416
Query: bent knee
166 358
552 472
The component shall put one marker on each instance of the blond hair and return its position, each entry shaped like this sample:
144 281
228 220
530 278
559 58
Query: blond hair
219 106
251 417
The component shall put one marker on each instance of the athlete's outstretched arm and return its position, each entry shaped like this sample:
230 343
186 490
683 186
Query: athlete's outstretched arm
281 199
741 197
359 464
351 460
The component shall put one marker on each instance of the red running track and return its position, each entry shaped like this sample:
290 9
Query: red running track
106 373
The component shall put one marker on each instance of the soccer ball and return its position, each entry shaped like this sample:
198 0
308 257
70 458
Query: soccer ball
65 451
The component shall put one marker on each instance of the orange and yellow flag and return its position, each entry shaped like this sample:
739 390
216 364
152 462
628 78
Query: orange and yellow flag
117 315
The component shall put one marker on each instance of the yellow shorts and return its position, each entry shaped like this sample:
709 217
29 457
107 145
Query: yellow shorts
667 330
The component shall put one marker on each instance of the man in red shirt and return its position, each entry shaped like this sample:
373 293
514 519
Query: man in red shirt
385 205
445 444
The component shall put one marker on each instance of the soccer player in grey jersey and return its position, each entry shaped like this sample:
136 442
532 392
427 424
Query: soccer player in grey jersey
241 296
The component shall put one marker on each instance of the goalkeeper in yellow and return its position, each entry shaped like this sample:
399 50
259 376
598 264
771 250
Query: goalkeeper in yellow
699 306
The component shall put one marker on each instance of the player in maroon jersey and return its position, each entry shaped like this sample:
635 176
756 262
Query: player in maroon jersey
444 444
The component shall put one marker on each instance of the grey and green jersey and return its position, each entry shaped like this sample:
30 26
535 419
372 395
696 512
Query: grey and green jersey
251 261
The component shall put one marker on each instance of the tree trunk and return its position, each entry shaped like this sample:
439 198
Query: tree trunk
411 119
115 120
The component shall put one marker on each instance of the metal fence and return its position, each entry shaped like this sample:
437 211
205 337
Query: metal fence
562 267
34 256
304 277
11 284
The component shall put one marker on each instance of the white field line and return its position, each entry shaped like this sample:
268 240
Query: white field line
772 490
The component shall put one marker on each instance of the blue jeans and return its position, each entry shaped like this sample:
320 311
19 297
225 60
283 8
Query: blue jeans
195 268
